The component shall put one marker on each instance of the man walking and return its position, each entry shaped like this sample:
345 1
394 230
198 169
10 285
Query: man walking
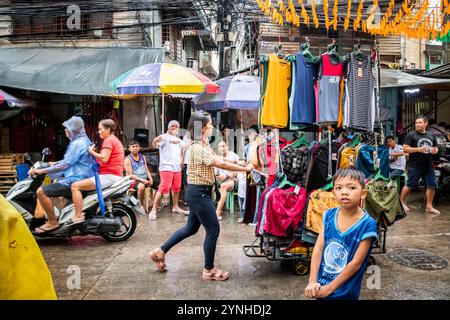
420 145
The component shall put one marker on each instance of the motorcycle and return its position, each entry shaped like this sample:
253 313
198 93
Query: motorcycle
118 223
442 170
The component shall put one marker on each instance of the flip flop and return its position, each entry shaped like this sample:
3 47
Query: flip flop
43 231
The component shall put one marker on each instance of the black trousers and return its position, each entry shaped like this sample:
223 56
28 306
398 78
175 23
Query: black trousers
201 212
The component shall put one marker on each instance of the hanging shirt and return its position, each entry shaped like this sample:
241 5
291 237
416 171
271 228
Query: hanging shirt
365 160
304 107
360 94
274 112
382 201
284 210
292 126
329 91
319 201
339 250
295 163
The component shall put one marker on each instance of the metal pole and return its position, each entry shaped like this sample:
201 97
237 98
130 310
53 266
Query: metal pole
162 114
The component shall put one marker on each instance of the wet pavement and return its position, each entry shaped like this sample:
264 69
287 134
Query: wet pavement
123 271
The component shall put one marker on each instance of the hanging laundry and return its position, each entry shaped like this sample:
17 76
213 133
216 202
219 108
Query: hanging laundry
382 201
295 163
274 102
365 160
329 90
319 201
304 106
281 210
359 105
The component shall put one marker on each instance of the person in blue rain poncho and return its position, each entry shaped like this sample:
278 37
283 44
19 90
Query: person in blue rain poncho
76 165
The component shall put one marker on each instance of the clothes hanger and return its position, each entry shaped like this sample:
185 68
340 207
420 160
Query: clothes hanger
357 52
379 176
329 186
305 51
285 182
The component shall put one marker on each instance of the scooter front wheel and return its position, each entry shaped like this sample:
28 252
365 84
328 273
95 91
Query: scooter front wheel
129 223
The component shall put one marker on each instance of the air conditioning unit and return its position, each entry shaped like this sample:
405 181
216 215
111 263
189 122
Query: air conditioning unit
193 64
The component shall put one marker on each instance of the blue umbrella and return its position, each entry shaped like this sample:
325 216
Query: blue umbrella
98 187
236 92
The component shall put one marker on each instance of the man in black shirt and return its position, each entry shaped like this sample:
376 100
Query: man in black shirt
420 145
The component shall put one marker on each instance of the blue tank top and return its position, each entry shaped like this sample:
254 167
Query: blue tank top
304 106
339 250
138 167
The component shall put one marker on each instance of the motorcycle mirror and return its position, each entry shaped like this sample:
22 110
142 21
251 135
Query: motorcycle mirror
46 152
27 156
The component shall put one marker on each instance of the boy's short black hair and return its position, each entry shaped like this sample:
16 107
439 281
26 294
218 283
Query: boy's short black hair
390 137
352 173
132 143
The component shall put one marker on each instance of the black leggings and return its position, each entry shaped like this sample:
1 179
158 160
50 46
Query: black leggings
201 212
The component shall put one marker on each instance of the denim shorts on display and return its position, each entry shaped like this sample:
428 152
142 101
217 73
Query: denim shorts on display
427 174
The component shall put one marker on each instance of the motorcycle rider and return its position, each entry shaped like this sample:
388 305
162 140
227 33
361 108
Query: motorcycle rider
75 166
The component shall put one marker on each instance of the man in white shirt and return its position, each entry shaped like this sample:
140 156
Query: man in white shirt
397 159
170 159
226 180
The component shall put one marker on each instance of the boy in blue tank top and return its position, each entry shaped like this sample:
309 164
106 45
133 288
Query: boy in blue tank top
343 247
136 167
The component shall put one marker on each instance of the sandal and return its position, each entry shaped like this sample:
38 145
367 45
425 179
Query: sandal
160 263
215 274
41 230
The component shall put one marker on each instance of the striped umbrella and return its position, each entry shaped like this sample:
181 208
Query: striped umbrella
162 78
157 78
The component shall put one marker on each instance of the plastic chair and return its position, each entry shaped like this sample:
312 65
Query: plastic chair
229 202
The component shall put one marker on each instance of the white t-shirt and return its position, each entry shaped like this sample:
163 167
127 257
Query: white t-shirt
231 156
400 163
170 153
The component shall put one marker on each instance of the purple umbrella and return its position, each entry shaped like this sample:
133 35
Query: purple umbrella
236 92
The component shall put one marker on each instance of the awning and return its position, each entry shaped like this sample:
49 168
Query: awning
397 78
83 71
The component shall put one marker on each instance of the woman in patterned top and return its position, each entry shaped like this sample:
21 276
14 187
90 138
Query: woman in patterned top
201 179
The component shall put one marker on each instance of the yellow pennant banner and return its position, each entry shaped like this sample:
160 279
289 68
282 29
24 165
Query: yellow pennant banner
413 19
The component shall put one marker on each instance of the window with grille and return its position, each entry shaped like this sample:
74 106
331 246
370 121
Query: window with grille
54 26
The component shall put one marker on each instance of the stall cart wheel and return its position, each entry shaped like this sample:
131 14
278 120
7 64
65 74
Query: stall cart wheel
301 268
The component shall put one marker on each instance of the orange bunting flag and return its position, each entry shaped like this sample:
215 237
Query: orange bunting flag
349 13
314 14
335 15
304 13
357 21
325 11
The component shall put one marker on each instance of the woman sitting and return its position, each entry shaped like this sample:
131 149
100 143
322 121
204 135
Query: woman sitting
110 161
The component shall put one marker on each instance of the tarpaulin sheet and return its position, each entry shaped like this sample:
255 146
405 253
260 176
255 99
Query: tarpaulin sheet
24 274
83 71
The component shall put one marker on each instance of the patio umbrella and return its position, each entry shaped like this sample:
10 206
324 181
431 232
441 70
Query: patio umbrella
236 92
163 78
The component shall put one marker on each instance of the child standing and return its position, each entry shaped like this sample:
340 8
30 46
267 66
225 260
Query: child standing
343 247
